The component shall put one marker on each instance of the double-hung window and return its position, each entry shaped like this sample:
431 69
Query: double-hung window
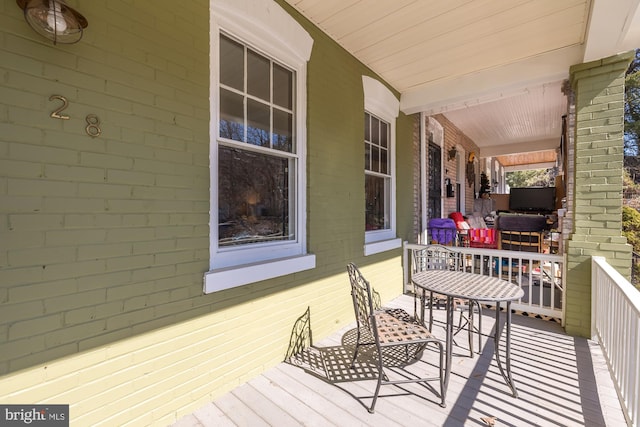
257 155
258 217
377 179
381 111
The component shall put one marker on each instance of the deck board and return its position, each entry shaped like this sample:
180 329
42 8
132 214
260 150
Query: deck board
561 381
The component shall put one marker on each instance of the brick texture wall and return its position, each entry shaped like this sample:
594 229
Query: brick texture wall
597 198
100 232
455 138
104 241
417 183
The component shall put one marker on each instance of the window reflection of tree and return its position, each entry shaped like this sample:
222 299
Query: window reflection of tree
231 130
375 215
253 197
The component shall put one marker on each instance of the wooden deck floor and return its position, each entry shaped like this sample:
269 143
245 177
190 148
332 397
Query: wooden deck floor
561 381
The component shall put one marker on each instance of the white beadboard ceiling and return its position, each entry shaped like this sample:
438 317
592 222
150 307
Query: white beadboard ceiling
495 68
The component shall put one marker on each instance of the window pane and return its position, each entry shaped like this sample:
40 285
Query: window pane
231 63
258 76
367 156
375 159
367 127
377 201
257 123
375 131
384 133
384 161
282 87
254 198
231 115
282 130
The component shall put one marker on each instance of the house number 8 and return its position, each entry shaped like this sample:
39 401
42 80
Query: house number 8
93 122
93 125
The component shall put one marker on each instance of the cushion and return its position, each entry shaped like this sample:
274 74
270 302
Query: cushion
485 236
477 222
456 217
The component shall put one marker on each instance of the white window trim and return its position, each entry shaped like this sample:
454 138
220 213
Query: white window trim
264 25
381 102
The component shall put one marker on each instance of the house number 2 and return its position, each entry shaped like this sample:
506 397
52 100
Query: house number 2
93 122
55 114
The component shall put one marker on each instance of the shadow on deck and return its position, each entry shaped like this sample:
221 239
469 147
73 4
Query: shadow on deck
561 381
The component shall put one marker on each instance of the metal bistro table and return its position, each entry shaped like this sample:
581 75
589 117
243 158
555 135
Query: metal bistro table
468 286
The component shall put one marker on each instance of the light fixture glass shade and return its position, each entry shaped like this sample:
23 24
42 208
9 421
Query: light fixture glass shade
54 20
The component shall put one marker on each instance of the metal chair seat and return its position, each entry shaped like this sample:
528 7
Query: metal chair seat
387 329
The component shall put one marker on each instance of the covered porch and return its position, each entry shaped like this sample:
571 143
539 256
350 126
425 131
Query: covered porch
110 237
561 381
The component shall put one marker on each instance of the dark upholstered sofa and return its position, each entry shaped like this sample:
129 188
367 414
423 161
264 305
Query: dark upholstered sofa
521 232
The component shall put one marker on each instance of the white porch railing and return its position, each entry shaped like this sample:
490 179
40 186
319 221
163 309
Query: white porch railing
615 324
539 275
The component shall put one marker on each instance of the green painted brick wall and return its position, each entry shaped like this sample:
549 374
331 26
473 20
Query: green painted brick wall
599 91
100 236
104 241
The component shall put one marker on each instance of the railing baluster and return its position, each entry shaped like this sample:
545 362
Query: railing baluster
509 265
615 311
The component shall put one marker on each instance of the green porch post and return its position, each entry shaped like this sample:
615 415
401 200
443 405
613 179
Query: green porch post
598 87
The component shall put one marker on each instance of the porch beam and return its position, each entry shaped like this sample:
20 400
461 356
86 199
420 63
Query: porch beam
529 166
522 147
613 28
491 84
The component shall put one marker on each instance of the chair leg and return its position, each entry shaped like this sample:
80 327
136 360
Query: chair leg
443 390
470 325
470 328
479 325
378 385
355 351
430 312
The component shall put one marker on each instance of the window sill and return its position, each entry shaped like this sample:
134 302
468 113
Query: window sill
381 246
231 277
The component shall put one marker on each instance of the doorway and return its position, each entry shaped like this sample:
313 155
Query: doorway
434 180
460 179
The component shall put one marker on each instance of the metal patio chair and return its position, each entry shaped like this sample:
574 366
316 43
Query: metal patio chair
390 331
438 257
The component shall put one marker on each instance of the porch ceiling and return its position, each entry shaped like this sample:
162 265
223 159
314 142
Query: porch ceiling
494 67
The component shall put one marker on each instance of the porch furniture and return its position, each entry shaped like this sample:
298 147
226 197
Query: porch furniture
528 241
468 286
390 334
438 257
482 238
484 206
442 231
474 232
521 232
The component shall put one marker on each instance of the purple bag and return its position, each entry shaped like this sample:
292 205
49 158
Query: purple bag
442 230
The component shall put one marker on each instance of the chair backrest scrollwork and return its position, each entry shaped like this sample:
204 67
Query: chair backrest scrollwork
436 257
363 304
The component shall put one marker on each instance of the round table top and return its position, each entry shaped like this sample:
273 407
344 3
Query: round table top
459 284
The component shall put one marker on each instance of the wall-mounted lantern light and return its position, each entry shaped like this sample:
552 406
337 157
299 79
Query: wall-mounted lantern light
452 153
54 20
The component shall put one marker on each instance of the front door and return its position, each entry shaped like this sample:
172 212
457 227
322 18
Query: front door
434 182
